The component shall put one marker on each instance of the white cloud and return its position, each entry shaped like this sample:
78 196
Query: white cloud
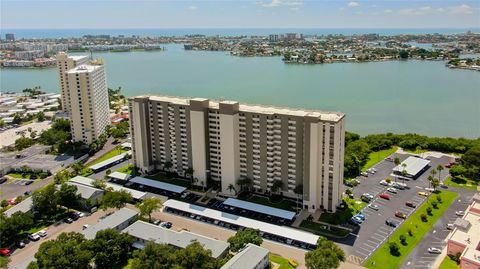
388 11
461 9
277 3
428 10
353 4
192 7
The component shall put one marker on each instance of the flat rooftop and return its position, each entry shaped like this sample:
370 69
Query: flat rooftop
267 210
158 184
265 227
248 257
112 221
254 108
470 237
150 232
84 68
413 165
86 192
24 206
89 182
109 161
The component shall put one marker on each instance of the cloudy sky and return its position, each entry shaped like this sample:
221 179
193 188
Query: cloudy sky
239 14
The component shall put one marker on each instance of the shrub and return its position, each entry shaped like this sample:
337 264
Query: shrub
4 203
439 199
435 205
403 240
429 211
424 217
410 232
456 257
394 249
388 180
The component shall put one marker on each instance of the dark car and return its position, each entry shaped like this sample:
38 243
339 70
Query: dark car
401 215
68 220
29 182
3 180
411 204
167 225
27 193
392 223
74 215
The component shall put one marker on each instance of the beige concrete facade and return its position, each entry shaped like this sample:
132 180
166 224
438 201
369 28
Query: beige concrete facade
85 95
224 141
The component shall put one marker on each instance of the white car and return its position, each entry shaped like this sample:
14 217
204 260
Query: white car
42 233
385 183
392 190
34 237
459 213
372 206
450 226
434 250
429 189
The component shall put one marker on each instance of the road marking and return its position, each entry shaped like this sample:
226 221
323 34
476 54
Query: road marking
374 245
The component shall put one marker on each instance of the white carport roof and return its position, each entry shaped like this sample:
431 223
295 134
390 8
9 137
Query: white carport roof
268 210
277 230
158 184
413 165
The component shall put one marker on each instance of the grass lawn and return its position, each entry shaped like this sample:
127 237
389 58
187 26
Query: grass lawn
416 151
128 169
461 183
382 257
341 216
107 156
449 264
282 204
281 261
172 180
377 156
3 260
15 175
321 229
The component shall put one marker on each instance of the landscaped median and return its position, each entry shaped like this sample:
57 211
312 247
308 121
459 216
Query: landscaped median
281 261
460 182
324 229
411 231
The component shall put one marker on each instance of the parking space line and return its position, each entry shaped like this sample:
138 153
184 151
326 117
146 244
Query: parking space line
381 237
367 250
368 245
361 253
382 232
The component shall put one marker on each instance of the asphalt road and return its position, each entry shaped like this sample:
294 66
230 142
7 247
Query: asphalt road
364 241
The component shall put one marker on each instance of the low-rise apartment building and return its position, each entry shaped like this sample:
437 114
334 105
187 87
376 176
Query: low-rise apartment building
465 238
224 141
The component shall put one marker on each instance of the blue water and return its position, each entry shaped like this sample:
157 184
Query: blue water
57 33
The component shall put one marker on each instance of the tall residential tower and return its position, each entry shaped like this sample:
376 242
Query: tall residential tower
84 96
225 141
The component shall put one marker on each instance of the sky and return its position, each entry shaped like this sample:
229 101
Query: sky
106 14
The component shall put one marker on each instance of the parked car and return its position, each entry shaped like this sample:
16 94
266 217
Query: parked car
68 220
384 196
157 222
450 226
460 213
371 170
429 189
449 165
434 250
398 185
392 222
356 220
5 252
423 193
367 197
365 174
410 204
21 244
401 215
27 193
167 225
85 226
392 190
372 206
389 159
42 233
360 215
34 237
3 180
385 183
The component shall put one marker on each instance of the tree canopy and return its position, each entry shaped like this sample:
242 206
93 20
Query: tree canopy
327 255
115 199
148 205
110 248
243 237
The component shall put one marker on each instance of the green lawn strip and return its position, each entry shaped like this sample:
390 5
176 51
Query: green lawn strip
341 216
449 264
107 156
172 180
283 204
416 151
18 175
377 156
461 183
322 229
281 261
382 257
129 264
127 169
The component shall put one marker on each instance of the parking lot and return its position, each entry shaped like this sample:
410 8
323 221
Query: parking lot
373 232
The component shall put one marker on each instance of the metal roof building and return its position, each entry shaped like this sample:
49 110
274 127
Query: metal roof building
250 257
267 210
24 206
276 230
413 166
118 220
109 162
119 176
144 232
138 195
86 192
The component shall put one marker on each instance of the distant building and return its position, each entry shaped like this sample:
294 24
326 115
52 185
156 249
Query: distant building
225 141
84 90
10 37
273 38
250 257
119 220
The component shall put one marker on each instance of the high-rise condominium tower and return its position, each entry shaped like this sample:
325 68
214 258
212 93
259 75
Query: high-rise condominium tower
84 96
226 141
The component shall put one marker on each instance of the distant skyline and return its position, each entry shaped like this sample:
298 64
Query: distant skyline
110 14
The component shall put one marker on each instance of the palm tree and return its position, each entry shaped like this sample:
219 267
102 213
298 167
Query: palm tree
433 172
167 165
435 184
231 188
439 169
404 172
430 179
276 186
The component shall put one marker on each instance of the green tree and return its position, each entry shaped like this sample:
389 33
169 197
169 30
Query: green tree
440 169
17 119
194 256
67 195
243 237
403 54
45 200
4 261
10 227
110 248
68 251
23 143
115 199
148 205
394 249
327 255
40 116
99 184
158 256
277 186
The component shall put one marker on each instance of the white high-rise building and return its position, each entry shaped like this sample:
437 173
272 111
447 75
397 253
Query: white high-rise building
85 96
224 141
